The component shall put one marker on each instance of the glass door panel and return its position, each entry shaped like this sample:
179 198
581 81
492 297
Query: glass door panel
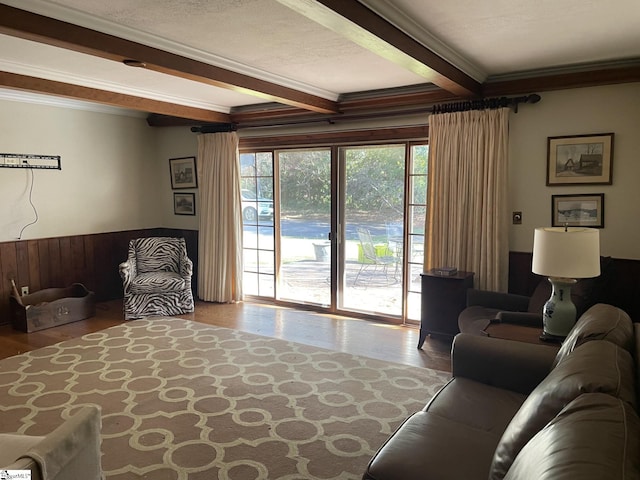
305 222
373 240
416 222
256 170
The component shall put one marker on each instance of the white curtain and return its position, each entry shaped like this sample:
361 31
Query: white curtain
220 218
467 217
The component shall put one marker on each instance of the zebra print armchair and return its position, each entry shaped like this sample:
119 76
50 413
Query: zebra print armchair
157 278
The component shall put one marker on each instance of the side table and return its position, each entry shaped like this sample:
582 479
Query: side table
520 333
443 298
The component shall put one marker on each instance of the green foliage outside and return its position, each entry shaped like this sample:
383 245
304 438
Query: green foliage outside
375 179
305 182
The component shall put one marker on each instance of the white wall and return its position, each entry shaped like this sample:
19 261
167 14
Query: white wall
108 180
175 142
115 169
614 108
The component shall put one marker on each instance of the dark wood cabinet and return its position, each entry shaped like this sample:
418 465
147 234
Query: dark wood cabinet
443 298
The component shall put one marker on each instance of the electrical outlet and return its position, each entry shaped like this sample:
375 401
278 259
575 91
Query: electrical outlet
25 290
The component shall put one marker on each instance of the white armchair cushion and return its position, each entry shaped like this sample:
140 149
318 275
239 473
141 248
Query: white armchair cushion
158 282
14 445
70 452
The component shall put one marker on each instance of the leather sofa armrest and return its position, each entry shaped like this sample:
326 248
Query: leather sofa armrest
507 364
520 318
497 300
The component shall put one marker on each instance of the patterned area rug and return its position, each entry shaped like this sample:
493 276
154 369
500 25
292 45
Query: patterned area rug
184 400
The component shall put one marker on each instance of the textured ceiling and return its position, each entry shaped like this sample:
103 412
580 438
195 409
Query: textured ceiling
259 35
507 36
268 40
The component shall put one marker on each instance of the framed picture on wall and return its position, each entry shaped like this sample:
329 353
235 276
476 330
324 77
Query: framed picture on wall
584 210
580 159
183 172
184 203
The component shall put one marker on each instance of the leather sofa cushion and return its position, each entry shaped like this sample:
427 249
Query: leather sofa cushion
465 416
594 437
593 367
429 446
539 297
600 322
481 406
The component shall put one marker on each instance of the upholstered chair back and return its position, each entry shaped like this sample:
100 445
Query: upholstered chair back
158 254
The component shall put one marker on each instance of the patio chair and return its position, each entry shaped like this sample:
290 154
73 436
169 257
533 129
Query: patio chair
395 239
374 266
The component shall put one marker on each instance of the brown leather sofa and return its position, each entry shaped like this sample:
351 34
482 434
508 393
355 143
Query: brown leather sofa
516 410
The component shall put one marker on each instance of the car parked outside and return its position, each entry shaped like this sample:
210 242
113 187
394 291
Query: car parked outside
254 208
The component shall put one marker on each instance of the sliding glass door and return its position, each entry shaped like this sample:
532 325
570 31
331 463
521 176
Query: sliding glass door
338 228
304 180
372 217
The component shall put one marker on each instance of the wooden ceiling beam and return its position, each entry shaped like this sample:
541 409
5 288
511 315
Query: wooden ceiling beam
367 104
361 25
38 28
397 100
67 90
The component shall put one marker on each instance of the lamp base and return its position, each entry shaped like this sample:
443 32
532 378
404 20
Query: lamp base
559 314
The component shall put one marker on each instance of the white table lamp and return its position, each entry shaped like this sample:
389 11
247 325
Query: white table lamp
564 255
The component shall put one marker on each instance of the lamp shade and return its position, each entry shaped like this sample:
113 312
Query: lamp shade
572 252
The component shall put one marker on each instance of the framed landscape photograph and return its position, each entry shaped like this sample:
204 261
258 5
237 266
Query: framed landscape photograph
184 203
584 210
183 172
580 159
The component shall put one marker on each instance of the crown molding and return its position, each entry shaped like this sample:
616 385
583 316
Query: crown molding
566 69
52 101
55 75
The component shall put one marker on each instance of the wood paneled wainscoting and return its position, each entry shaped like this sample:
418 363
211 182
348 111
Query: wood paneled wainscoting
93 261
88 259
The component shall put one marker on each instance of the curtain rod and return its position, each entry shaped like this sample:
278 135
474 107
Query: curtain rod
486 103
215 128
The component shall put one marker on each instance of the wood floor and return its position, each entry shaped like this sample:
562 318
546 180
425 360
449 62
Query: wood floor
359 337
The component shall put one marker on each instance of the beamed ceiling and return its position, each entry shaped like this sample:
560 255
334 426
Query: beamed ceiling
265 62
